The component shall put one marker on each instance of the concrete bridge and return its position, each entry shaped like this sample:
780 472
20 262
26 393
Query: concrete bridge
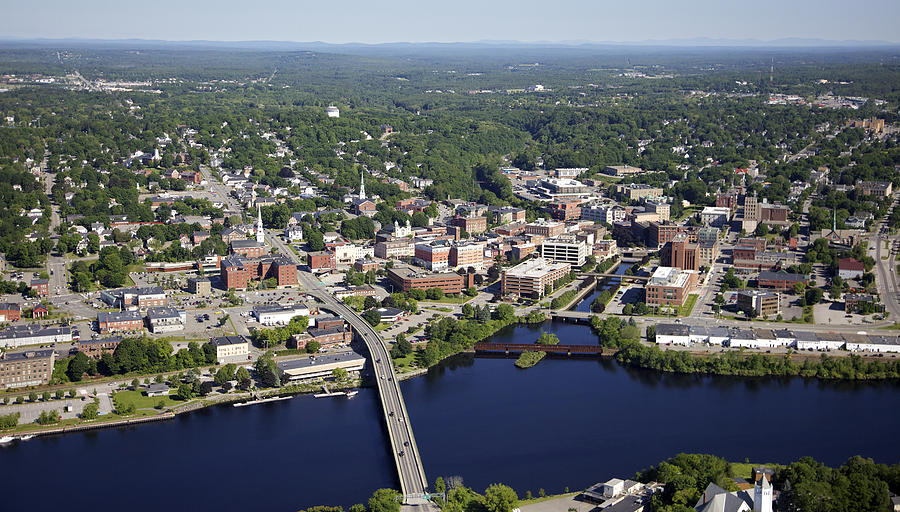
410 470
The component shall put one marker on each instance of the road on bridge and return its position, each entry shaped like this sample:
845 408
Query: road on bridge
403 442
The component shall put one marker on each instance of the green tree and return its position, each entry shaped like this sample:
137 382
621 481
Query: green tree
384 500
313 346
372 317
90 411
243 377
500 498
78 366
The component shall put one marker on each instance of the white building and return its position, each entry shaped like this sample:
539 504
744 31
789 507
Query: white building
165 319
231 349
278 315
673 334
565 249
294 233
332 111
874 344
716 216
606 213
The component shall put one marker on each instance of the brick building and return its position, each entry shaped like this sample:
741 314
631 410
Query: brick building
41 287
321 260
405 278
669 286
780 280
472 225
95 348
530 278
28 368
119 321
10 312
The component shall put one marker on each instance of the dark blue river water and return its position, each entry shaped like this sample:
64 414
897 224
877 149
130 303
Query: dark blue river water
561 423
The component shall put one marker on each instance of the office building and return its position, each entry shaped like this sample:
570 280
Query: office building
530 278
565 249
669 286
28 368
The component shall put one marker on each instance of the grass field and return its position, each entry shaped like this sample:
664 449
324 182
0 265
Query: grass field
141 401
685 310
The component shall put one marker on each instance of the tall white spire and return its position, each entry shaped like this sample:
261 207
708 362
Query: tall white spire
362 185
260 234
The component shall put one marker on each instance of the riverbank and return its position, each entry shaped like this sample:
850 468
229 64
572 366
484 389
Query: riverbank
145 415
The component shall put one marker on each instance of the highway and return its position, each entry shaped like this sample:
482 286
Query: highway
413 482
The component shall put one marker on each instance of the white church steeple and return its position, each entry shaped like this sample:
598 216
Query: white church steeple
762 495
362 185
260 234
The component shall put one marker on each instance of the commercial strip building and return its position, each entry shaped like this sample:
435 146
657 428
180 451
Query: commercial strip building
670 286
635 191
406 278
715 216
685 335
23 335
780 280
277 314
231 349
530 278
320 365
28 368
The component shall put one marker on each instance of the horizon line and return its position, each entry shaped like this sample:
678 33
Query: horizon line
797 42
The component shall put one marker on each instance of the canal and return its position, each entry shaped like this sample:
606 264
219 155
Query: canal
603 284
561 423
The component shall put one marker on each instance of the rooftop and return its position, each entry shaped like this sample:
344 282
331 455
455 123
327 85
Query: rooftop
536 267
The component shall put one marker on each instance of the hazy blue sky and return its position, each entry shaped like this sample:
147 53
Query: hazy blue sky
372 21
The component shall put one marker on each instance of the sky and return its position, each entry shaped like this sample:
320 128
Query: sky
370 21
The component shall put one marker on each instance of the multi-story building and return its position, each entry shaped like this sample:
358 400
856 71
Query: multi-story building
762 303
119 321
636 191
621 170
660 208
680 253
506 214
852 302
434 255
707 235
471 225
395 248
199 285
248 248
669 286
231 349
562 188
365 265
708 253
659 234
237 271
603 249
606 213
565 249
325 336
467 255
23 369
715 216
97 347
849 268
546 229
875 188
165 319
41 287
10 312
530 278
774 213
34 334
564 210
134 298
405 278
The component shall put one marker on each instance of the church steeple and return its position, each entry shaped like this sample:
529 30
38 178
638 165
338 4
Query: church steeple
260 234
362 185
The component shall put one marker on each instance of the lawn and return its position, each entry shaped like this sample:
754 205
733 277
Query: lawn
744 469
549 497
142 401
382 326
685 310
406 363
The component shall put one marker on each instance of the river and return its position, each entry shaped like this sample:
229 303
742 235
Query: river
561 423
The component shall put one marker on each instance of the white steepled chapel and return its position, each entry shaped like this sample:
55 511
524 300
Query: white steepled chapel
260 234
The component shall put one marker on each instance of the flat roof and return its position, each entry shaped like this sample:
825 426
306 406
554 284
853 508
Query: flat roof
536 267
11 357
222 341
320 360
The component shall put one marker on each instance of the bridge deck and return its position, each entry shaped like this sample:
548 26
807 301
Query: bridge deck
486 346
